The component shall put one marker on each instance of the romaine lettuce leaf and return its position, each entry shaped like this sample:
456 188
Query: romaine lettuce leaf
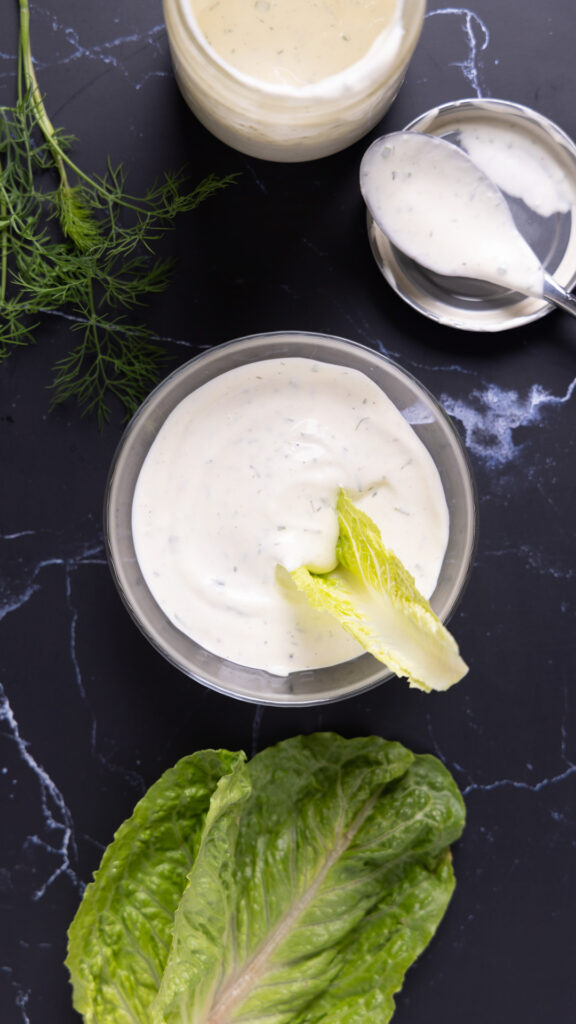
380 951
120 937
297 888
313 905
375 598
377 954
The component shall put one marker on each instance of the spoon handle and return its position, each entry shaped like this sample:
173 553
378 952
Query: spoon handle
558 296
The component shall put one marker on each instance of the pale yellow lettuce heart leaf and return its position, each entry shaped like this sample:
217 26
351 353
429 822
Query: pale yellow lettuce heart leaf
375 598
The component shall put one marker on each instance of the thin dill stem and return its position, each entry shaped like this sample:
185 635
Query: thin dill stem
4 223
28 79
29 82
93 328
24 29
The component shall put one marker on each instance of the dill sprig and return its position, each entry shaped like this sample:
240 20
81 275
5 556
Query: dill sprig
81 246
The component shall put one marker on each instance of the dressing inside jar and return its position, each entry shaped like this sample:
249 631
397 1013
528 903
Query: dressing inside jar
291 80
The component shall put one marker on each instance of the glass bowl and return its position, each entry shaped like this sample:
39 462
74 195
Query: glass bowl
428 420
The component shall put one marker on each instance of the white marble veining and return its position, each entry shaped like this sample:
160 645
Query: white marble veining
533 560
21 995
55 833
51 826
67 48
566 768
162 339
17 592
491 415
476 38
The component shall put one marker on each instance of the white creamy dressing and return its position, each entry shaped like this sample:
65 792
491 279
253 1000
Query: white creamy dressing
518 165
298 43
439 208
243 477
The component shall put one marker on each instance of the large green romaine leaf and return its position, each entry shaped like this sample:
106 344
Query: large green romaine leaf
375 598
120 937
312 906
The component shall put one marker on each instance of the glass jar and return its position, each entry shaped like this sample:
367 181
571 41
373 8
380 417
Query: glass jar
277 121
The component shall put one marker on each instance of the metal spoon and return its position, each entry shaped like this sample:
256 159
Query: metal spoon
440 209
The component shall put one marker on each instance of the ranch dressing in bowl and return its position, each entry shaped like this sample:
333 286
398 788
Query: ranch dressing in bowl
243 477
417 413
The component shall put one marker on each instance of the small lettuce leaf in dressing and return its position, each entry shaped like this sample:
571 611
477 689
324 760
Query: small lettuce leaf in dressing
119 940
332 884
374 597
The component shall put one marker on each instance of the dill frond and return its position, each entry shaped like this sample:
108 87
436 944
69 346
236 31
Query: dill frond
82 246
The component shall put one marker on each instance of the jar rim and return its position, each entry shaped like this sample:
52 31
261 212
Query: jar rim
388 51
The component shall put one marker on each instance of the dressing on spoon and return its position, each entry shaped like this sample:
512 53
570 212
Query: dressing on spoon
440 209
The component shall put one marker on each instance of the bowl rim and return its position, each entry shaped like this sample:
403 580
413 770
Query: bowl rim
133 595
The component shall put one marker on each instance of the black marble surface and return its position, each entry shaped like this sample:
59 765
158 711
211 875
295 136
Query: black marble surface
90 715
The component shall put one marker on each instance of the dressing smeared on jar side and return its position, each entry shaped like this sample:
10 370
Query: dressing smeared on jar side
440 209
243 477
296 42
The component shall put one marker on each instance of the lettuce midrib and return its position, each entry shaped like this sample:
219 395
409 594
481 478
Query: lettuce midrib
238 987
